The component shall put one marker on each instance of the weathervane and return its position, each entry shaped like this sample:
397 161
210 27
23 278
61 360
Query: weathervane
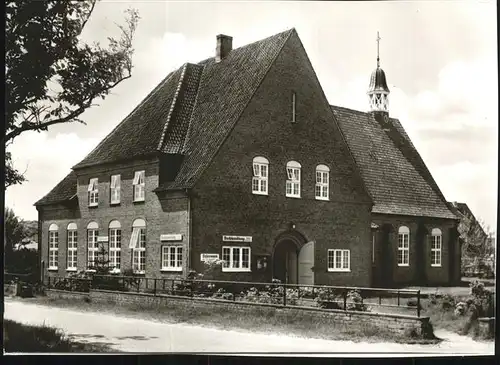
378 44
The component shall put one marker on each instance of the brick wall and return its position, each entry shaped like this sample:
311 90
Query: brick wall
223 203
163 215
396 323
406 275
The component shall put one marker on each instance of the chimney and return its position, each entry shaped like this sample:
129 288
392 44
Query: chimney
224 46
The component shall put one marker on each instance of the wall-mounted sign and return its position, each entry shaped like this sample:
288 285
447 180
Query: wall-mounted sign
171 237
237 238
209 257
102 239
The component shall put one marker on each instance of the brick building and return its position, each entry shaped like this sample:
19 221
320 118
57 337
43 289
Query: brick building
241 157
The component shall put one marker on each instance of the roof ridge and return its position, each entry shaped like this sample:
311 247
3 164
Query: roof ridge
174 101
160 84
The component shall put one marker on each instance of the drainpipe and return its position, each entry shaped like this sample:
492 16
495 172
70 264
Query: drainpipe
189 240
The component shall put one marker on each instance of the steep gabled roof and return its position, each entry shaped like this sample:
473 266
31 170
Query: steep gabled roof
65 190
394 172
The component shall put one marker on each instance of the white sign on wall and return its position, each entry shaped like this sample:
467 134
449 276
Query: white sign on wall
102 239
237 238
209 257
171 237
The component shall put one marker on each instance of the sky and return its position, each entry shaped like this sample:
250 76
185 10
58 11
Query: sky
440 59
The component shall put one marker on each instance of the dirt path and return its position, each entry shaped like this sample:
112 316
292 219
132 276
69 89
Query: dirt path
137 335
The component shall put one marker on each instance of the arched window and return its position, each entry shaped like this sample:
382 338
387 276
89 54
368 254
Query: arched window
92 248
260 175
293 179
436 247
115 245
404 246
72 247
322 182
53 246
138 246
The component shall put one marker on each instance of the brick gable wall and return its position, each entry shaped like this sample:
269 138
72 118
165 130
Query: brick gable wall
223 203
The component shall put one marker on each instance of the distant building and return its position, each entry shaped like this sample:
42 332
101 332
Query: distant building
241 157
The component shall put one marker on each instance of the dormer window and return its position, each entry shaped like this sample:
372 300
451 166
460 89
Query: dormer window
93 190
115 189
139 186
322 182
293 179
260 175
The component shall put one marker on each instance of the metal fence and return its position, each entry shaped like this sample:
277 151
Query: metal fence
402 301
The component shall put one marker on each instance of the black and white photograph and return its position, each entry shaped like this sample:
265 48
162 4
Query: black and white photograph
276 178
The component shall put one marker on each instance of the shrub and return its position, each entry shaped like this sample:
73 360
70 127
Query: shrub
447 302
355 301
413 303
328 298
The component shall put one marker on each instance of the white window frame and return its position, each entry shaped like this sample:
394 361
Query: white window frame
166 257
260 179
404 246
322 191
92 245
115 246
229 265
138 246
114 189
139 185
292 188
93 190
345 260
72 242
53 247
436 247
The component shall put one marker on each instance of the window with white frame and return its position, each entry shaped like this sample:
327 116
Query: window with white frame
53 246
235 258
404 246
115 245
115 189
139 186
93 190
322 182
138 246
339 260
260 175
436 247
293 179
92 247
171 258
72 247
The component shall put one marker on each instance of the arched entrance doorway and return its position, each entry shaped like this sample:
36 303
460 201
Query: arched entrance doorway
293 259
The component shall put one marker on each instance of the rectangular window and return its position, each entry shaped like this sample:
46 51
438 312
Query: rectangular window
171 258
93 190
339 260
236 258
115 246
53 250
139 250
293 182
115 189
403 249
92 248
72 249
436 250
260 178
139 186
322 178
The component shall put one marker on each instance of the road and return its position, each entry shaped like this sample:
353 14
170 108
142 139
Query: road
137 335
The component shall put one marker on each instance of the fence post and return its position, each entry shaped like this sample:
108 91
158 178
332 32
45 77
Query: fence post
345 300
154 287
284 295
379 298
398 298
48 281
418 303
138 283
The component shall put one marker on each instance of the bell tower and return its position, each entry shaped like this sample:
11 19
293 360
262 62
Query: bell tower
378 92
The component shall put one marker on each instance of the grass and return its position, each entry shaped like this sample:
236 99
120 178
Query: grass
26 338
254 319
